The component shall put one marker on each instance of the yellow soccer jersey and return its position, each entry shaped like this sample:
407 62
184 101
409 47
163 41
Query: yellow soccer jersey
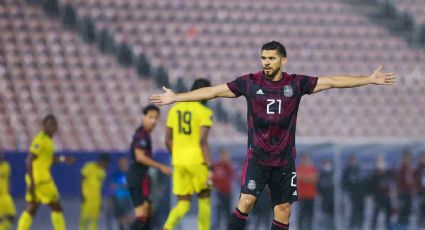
93 177
43 148
186 119
4 177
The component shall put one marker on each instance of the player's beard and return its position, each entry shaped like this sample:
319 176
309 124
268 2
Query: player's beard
271 73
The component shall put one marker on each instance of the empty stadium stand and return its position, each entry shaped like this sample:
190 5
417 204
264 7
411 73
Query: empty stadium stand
45 68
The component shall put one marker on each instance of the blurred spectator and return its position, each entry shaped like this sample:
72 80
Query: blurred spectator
380 182
405 189
121 201
325 187
222 180
354 183
307 191
419 175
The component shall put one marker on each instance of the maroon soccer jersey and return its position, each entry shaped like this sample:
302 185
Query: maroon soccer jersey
272 114
141 140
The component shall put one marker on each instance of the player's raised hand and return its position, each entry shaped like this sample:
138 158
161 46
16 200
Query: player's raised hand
380 78
163 99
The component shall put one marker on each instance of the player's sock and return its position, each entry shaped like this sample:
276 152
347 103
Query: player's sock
25 221
204 213
93 224
276 225
58 221
148 223
237 220
178 212
139 223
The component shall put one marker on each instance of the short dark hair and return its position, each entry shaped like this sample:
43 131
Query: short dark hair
49 117
149 108
104 157
274 45
201 83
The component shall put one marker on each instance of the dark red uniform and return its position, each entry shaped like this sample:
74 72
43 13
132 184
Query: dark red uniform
272 118
137 177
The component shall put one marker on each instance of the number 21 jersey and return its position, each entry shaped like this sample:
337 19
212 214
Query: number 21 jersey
272 114
186 120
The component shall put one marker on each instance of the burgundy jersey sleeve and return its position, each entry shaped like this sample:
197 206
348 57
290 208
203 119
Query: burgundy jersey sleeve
239 85
307 84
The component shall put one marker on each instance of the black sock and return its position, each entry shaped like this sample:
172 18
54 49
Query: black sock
237 220
148 223
139 223
276 225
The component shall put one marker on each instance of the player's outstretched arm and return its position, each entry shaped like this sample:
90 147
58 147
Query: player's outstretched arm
206 93
346 81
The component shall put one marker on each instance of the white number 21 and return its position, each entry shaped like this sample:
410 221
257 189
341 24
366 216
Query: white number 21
271 102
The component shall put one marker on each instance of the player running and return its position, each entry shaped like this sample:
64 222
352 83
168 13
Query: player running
141 159
41 189
186 138
273 98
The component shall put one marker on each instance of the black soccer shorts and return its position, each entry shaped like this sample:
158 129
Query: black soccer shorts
282 181
139 187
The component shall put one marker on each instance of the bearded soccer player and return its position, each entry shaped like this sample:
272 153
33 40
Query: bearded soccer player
141 159
273 98
186 138
7 210
41 189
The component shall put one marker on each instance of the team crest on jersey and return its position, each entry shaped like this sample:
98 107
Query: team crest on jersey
251 185
143 143
288 91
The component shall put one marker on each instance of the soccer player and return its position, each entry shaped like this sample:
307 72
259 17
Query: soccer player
93 175
141 159
7 210
41 189
186 138
273 98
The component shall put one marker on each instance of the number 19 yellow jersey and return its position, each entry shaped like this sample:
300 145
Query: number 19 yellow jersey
186 120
